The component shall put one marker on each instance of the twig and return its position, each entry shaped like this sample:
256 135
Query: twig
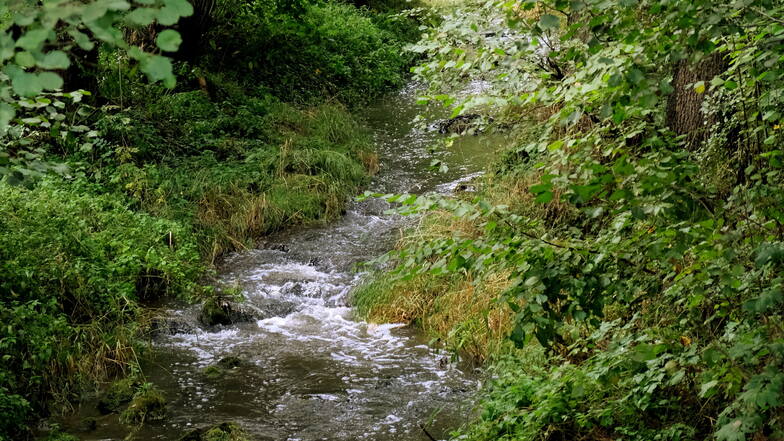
761 12
426 432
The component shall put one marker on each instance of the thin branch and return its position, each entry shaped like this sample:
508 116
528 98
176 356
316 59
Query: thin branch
764 14
427 433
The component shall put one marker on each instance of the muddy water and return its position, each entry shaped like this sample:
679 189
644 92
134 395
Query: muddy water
311 371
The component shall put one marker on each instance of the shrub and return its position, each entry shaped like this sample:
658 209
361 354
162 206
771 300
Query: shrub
315 50
74 268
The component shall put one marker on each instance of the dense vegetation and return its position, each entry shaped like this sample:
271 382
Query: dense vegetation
142 141
621 266
618 270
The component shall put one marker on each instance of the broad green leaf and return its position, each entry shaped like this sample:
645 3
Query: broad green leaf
81 39
169 40
50 80
7 113
24 59
168 16
544 197
142 16
707 389
24 84
549 21
158 68
34 39
7 45
55 60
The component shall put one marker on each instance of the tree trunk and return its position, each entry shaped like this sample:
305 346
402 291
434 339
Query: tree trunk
83 71
684 108
194 28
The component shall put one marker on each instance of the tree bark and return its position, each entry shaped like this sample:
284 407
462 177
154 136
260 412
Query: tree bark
684 107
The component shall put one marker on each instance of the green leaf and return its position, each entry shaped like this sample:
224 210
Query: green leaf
174 9
183 8
7 113
555 145
55 60
731 432
769 252
7 44
81 39
33 40
168 16
544 197
50 80
707 389
549 21
768 299
169 40
142 16
24 59
118 5
158 68
540 188
699 87
24 84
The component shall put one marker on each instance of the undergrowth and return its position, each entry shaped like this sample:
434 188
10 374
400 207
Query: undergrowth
75 268
114 198
640 227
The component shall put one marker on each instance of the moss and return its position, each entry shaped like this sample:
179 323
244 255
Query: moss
120 392
57 435
225 364
230 362
149 404
213 372
215 311
221 432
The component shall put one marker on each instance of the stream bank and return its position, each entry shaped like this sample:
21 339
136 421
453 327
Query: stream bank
306 369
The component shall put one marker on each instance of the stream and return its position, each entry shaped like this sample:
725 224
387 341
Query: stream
310 370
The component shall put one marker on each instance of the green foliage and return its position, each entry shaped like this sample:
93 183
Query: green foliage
148 404
219 432
156 182
645 262
313 50
157 192
119 393
37 43
257 166
74 267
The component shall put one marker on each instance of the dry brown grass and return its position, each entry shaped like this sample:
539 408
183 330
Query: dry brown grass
514 192
370 161
464 314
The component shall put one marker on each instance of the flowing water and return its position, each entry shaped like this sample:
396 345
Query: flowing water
310 370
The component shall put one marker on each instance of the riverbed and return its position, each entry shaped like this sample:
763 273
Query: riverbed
309 369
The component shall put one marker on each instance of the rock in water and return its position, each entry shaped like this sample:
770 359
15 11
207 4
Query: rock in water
219 432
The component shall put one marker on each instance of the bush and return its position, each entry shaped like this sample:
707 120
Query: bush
316 50
74 268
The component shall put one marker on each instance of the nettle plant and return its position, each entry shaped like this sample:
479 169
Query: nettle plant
41 45
630 142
